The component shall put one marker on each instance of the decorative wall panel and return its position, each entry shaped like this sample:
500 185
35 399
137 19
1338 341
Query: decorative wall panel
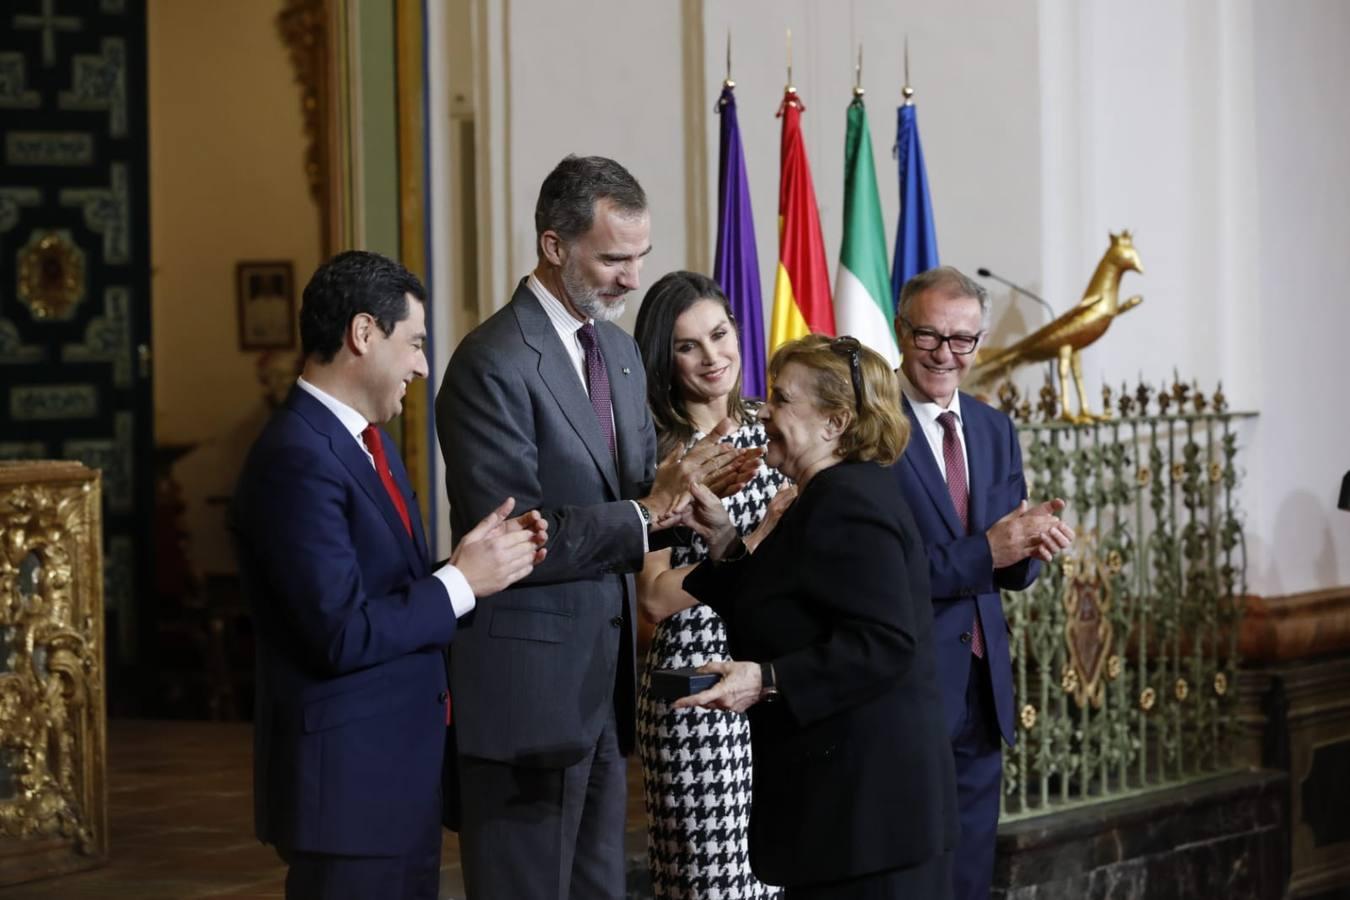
74 265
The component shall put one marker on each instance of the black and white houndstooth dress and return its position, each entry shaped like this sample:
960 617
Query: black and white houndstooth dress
696 762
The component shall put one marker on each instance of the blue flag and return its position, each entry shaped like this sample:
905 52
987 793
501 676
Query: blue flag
736 267
915 238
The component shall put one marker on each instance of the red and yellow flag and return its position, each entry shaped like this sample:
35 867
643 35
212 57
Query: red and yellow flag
801 290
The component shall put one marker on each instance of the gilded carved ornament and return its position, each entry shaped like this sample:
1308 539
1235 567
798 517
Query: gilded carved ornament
51 673
1088 633
51 279
1065 337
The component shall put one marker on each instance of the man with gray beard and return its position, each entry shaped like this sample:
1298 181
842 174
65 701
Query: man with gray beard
546 402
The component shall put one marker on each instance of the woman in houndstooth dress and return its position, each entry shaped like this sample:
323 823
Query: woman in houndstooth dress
696 762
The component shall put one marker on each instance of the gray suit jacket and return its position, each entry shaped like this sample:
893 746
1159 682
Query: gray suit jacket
535 669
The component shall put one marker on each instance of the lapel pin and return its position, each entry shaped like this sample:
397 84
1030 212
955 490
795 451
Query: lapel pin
625 370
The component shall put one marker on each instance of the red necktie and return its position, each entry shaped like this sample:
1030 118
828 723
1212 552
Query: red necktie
375 444
955 463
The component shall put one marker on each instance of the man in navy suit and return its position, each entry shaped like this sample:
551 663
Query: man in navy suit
961 475
352 618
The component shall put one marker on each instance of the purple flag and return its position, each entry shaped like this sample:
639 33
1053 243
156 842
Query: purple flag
736 267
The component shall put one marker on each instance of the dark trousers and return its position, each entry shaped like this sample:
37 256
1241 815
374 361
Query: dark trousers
929 880
545 834
978 750
322 876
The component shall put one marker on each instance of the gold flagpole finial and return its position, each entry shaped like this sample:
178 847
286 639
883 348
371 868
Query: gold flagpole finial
790 88
857 76
907 92
729 83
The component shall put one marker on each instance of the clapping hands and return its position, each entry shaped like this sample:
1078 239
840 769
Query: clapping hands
1035 531
721 468
500 551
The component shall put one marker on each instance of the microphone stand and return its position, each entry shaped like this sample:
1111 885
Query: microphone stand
985 273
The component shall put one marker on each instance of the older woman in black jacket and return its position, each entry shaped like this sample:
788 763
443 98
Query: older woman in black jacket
829 622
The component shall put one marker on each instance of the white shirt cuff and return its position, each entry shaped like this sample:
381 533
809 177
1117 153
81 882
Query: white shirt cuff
642 520
462 599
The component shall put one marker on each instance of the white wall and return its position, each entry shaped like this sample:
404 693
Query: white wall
1213 129
594 78
1303 160
973 67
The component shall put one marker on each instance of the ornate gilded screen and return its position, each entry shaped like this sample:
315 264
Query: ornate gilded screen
53 791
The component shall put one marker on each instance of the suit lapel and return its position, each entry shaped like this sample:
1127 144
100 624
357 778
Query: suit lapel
977 465
414 514
920 459
629 404
560 377
358 465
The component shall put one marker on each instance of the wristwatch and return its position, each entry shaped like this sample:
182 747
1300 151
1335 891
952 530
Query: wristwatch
645 513
768 684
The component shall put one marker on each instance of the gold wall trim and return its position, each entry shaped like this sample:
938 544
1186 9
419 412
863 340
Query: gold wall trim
53 726
342 228
698 240
303 25
497 270
410 26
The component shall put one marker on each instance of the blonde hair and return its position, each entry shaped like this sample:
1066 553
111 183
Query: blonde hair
876 432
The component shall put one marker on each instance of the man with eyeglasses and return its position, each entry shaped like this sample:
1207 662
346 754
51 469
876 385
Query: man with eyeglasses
961 475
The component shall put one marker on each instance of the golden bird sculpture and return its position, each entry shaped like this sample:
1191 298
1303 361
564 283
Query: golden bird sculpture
1066 336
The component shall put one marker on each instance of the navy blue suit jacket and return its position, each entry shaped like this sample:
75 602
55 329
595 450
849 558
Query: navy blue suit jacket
960 566
349 719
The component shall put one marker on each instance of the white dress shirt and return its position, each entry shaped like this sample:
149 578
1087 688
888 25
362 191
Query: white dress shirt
927 412
568 329
457 586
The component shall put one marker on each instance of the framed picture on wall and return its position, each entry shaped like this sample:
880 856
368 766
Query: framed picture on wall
266 298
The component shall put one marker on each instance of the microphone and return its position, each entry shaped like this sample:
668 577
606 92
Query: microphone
985 273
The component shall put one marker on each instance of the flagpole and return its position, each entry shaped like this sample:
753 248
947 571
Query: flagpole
907 92
857 76
729 83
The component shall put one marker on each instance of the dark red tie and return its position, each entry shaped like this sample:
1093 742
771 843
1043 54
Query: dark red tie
375 444
597 383
954 461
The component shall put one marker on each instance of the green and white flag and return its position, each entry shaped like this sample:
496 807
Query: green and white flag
862 291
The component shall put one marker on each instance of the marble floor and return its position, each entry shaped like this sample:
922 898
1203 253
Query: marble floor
180 822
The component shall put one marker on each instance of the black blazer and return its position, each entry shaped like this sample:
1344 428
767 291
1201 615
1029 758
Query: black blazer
852 766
